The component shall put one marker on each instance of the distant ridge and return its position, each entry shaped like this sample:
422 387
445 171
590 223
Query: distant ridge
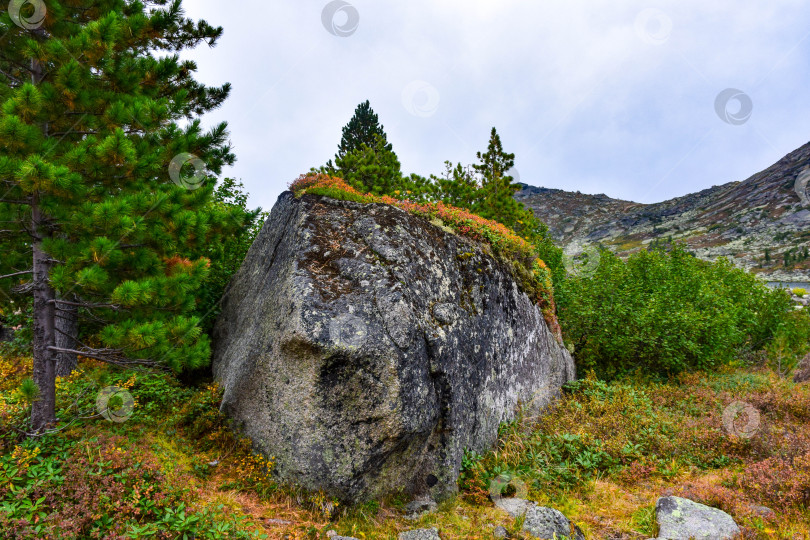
750 221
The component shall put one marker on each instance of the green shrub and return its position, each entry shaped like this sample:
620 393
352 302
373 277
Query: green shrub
800 292
664 313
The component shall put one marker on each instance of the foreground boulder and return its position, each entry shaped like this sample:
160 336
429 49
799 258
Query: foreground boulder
366 348
682 519
541 522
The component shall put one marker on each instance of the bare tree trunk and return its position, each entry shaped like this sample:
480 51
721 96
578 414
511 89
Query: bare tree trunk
67 330
43 410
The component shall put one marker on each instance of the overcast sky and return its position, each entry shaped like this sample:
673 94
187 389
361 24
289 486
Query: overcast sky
619 97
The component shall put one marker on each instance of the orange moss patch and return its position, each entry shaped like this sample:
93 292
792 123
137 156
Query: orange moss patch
503 240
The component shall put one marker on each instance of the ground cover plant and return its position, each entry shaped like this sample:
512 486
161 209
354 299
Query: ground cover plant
602 454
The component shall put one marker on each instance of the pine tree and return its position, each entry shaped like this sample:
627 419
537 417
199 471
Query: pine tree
497 188
372 169
363 128
226 257
459 186
99 202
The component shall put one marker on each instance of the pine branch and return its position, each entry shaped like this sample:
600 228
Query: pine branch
10 77
85 304
12 201
17 274
110 356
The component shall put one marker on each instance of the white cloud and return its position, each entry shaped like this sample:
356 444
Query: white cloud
583 101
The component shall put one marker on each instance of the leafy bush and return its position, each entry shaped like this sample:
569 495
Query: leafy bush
638 432
663 313
596 429
100 487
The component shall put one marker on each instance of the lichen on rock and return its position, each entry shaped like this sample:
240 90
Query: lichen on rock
366 349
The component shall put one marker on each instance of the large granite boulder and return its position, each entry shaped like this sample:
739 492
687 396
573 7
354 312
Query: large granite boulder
366 348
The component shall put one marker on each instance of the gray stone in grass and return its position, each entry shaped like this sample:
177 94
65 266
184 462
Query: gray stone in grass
500 532
682 519
420 534
762 511
548 523
513 506
419 507
540 521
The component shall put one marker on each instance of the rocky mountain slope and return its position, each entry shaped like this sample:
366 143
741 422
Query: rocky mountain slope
762 223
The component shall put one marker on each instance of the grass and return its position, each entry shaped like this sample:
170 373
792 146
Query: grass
602 455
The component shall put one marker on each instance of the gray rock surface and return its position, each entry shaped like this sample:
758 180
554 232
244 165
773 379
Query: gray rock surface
763 511
682 519
541 521
419 507
802 373
420 534
335 536
365 349
500 532
513 506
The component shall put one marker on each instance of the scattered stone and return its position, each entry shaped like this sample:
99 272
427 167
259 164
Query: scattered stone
513 506
803 370
541 521
419 507
274 521
500 532
335 536
682 519
335 365
420 534
548 523
762 511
